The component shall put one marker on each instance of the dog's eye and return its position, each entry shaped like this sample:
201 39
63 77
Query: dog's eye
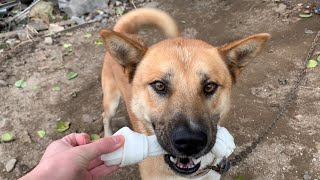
159 87
210 88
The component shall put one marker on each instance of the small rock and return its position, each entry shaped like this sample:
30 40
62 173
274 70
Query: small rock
282 81
23 36
98 17
317 95
78 20
55 28
118 3
307 31
26 137
281 8
307 176
3 83
10 164
48 40
298 117
4 123
87 118
12 41
151 5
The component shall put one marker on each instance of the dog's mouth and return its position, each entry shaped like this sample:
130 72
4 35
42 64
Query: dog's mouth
183 166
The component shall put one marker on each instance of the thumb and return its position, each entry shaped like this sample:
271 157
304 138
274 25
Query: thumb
102 146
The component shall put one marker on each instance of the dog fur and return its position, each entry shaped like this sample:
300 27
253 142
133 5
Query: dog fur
186 68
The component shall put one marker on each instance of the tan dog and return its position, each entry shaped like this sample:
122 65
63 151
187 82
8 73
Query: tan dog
178 89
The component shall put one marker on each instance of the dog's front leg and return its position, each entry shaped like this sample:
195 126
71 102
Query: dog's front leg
111 98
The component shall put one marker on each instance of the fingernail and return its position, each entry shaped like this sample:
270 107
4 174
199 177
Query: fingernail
117 139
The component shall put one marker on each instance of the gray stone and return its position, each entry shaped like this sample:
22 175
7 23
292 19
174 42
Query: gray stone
78 20
151 5
81 7
98 17
298 117
87 118
4 123
10 164
12 41
118 3
3 83
48 40
25 137
307 176
281 8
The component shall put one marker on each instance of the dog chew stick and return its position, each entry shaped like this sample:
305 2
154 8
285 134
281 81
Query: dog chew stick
138 146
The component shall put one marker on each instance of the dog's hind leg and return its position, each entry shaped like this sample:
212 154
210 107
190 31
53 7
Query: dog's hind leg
111 98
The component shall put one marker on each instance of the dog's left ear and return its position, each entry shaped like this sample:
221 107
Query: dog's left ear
125 50
238 54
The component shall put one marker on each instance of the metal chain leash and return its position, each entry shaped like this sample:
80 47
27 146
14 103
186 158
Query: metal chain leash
225 165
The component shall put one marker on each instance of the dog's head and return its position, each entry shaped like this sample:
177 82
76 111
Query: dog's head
181 88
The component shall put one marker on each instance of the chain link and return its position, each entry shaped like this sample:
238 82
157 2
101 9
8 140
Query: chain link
283 109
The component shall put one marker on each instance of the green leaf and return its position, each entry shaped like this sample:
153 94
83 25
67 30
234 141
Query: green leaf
312 63
62 126
239 178
21 83
41 133
94 137
88 35
119 11
7 137
72 75
98 42
305 15
318 58
56 88
67 45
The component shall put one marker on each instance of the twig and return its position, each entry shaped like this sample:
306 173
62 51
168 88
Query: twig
23 13
131 1
51 34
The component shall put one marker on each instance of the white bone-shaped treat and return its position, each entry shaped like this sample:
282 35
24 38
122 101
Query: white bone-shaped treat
138 146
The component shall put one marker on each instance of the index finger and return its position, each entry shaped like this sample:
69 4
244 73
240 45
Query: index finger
101 146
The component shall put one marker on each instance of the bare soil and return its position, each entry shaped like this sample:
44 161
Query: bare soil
291 151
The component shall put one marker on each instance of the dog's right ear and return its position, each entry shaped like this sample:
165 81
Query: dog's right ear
126 51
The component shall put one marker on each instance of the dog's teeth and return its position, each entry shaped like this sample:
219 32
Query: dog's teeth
174 160
196 161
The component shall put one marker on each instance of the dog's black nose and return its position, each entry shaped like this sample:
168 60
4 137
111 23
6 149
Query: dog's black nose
187 141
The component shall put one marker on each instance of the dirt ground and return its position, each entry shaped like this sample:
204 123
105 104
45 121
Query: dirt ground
292 151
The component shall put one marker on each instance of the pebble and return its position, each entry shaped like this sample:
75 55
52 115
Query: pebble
281 8
26 137
307 176
4 123
10 164
3 83
87 118
118 3
298 117
98 17
78 20
48 40
12 41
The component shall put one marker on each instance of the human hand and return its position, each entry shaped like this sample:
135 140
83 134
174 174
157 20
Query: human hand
73 157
